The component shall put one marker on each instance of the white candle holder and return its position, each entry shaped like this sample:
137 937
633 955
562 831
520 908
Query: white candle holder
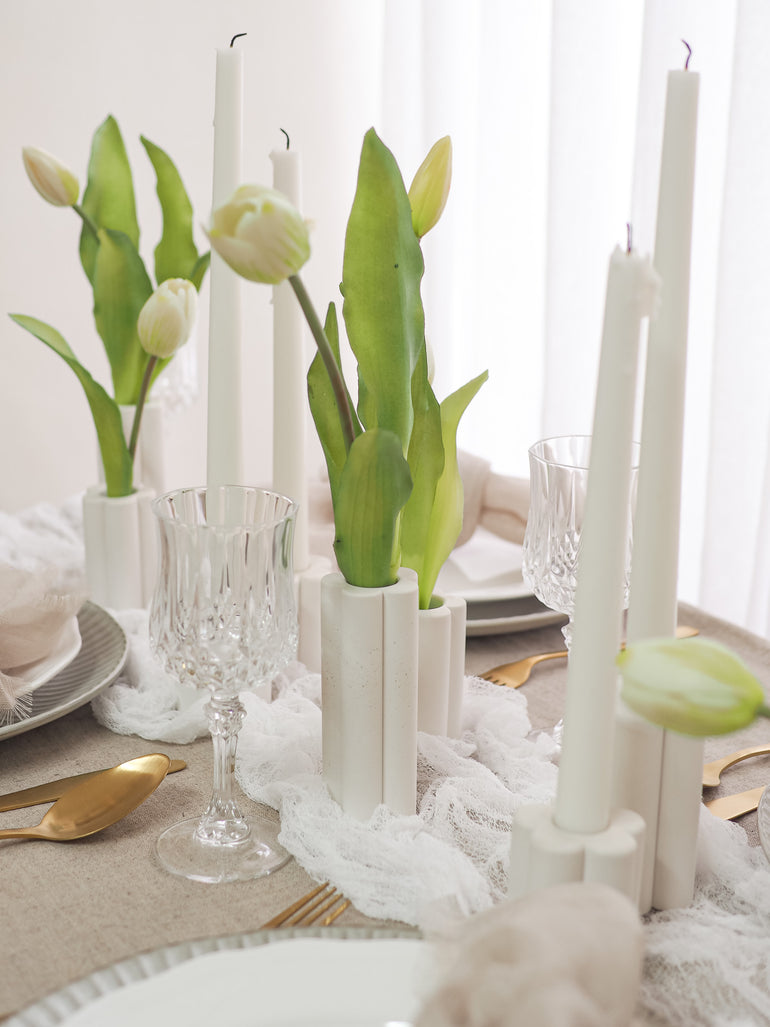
542 853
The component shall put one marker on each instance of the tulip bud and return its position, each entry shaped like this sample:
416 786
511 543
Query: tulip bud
430 187
692 686
166 320
260 235
53 181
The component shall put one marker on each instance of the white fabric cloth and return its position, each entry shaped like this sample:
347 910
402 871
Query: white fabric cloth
570 955
38 599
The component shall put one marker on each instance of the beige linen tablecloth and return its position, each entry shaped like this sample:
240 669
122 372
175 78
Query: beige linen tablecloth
69 909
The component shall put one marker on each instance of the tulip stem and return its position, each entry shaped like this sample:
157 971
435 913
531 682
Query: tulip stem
145 388
330 362
90 225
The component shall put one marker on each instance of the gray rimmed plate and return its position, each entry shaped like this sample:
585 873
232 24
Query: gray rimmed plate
304 983
100 659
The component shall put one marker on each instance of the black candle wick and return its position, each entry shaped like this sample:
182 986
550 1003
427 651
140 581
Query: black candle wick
287 137
236 36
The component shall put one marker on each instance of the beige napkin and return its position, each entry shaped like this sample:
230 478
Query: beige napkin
493 501
34 613
569 955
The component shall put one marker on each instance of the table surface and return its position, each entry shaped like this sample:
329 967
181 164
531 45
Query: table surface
70 909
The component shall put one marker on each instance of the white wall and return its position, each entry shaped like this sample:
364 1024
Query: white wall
151 63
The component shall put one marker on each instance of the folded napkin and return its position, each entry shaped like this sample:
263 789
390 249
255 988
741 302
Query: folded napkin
569 955
35 610
492 501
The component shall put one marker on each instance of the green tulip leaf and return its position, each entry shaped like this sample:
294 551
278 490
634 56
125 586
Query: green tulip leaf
374 486
382 309
118 466
426 463
108 200
446 515
121 288
693 686
176 255
323 405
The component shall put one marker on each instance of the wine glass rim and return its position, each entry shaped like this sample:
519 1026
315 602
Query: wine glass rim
161 507
535 451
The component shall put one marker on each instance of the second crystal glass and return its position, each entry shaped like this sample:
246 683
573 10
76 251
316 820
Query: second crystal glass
558 484
223 617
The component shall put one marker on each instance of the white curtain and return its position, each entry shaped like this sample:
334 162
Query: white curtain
556 114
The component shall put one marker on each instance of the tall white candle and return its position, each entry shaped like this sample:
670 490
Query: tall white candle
653 602
289 371
583 793
224 461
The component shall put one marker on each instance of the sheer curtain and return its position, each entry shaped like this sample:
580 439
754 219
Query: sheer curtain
555 109
556 114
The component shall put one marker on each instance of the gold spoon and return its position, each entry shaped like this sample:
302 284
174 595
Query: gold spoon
514 675
98 802
712 771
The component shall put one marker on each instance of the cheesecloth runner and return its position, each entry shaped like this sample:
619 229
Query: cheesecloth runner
708 964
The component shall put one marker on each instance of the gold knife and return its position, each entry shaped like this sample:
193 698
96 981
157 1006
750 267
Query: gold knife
731 806
52 790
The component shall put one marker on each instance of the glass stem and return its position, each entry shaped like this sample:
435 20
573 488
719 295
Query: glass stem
223 822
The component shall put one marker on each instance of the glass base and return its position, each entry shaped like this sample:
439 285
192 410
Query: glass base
182 852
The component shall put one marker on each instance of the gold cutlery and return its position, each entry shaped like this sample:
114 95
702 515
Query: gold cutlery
99 801
305 911
711 771
52 790
514 675
731 806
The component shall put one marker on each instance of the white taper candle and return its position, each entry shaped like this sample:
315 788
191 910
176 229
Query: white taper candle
653 603
289 373
224 460
583 793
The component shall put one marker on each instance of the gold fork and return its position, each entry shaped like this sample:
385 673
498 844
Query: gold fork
514 675
305 911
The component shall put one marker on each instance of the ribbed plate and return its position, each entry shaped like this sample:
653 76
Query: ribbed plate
102 654
58 1007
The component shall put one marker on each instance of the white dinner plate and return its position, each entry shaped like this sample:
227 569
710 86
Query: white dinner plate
38 672
99 660
763 821
486 572
291 977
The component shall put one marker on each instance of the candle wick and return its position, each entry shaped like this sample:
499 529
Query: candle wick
689 55
287 137
628 237
236 36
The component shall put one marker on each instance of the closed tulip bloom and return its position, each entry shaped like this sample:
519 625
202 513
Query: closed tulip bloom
167 318
260 235
430 187
692 686
53 181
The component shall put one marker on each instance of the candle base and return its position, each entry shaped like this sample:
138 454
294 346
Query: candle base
543 854
307 589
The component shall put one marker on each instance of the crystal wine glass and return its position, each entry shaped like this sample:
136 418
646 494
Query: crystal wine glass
558 470
223 617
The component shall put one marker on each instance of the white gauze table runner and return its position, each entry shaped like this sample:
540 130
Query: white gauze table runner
707 964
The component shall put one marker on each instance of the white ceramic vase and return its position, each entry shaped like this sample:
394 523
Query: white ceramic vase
369 655
121 548
441 675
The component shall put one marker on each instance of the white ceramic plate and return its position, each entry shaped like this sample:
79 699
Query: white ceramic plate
763 821
37 673
98 662
486 572
292 977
